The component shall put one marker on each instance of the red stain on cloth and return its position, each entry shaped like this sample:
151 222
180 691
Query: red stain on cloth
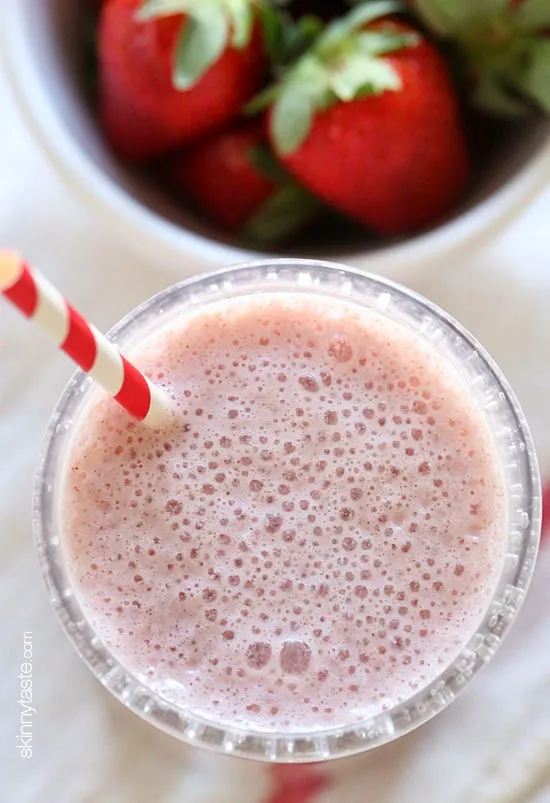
296 784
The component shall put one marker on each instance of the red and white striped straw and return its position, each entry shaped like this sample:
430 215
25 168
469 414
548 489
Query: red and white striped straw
40 301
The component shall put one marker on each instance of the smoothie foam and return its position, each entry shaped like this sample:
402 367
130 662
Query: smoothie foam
314 541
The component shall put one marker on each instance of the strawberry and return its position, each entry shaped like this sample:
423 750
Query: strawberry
173 70
504 45
233 179
368 121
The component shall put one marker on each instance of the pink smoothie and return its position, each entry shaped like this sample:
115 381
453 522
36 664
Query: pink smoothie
316 538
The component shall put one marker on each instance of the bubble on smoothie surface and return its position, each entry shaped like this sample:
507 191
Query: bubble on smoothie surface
319 537
295 657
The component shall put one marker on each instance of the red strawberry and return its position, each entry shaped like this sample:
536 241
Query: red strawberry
369 122
504 46
232 177
167 78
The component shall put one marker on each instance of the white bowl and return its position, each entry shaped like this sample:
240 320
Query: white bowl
42 47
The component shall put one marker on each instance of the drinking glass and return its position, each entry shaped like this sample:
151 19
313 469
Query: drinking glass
512 442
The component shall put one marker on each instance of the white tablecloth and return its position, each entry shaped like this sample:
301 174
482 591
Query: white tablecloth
491 746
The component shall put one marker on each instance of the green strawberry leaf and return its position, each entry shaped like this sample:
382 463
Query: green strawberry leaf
356 19
495 99
162 8
286 212
239 13
367 12
288 44
271 21
364 74
286 39
533 15
242 21
262 158
293 114
447 17
342 64
364 13
299 38
203 39
498 43
262 100
489 9
536 82
379 43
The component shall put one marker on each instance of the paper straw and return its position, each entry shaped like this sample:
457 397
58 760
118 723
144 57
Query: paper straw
41 302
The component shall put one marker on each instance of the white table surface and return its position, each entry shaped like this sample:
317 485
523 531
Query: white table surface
491 746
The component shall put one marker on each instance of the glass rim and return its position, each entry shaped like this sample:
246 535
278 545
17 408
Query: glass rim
306 745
